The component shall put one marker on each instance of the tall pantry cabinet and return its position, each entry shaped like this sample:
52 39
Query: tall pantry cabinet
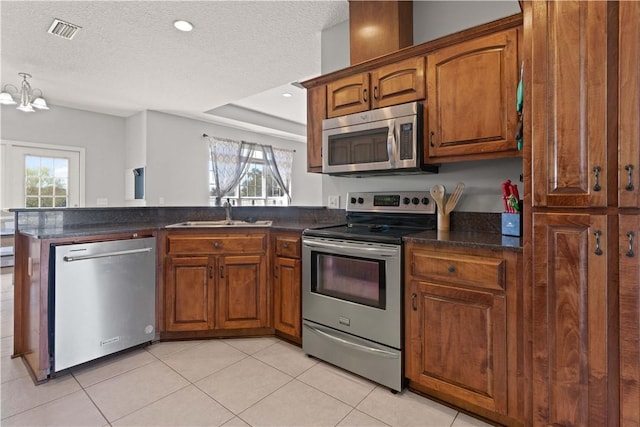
582 72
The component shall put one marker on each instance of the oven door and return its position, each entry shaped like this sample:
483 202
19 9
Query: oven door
354 287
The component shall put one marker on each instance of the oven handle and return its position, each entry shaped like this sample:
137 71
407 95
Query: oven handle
365 348
348 249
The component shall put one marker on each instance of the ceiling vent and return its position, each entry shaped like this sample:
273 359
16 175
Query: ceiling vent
63 29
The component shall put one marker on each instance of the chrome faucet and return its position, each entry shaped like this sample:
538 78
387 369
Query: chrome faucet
227 208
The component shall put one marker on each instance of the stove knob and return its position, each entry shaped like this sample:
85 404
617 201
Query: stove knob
353 200
425 200
415 200
406 201
360 200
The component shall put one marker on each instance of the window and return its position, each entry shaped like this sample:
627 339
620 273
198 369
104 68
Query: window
256 188
46 182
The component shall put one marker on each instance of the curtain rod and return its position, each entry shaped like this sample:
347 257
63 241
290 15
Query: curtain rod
204 135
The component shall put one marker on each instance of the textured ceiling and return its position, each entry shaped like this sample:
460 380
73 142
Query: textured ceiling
128 57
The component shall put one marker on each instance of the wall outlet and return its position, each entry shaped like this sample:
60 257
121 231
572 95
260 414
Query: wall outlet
333 202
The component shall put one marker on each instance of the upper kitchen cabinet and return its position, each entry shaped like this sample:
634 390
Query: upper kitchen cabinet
471 99
316 113
569 102
629 105
389 85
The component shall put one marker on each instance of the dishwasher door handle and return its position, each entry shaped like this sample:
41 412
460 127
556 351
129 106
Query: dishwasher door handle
106 254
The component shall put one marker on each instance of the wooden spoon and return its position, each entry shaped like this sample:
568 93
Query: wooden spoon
438 192
454 197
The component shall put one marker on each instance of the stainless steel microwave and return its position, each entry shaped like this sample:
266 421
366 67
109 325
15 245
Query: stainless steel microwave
381 141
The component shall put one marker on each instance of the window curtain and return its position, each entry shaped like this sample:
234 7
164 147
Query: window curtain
280 163
229 160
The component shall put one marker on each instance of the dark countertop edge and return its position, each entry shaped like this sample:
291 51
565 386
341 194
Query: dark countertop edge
467 239
56 233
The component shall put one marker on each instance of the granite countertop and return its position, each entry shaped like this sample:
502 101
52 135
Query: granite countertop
469 239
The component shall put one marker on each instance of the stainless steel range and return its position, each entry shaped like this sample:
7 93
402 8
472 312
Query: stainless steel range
352 285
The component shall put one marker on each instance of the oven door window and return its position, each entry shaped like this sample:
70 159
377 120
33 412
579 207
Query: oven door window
367 146
358 280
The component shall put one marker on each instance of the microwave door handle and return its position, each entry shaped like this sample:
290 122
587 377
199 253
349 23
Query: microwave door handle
391 143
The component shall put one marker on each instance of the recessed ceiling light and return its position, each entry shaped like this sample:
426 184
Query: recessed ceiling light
183 25
287 95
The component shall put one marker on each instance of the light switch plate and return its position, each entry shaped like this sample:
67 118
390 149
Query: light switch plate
333 202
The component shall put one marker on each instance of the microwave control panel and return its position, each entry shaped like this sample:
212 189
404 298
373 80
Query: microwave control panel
406 141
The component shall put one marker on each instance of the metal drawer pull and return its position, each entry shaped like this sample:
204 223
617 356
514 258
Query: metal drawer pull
451 269
216 245
630 236
629 169
364 95
596 173
414 301
285 245
597 233
368 349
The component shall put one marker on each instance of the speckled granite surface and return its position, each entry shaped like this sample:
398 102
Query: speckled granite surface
471 229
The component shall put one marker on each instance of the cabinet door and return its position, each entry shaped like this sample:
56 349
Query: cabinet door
189 298
456 343
316 113
571 321
628 131
398 83
569 103
472 97
348 95
242 295
286 296
629 320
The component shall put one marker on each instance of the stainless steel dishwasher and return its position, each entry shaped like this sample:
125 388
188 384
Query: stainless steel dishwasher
102 299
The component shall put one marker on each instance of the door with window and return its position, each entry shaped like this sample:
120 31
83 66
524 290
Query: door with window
42 176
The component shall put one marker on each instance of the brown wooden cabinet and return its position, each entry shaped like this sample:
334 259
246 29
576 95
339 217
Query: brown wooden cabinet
572 333
629 319
573 68
463 321
389 85
316 113
471 102
287 313
629 106
216 281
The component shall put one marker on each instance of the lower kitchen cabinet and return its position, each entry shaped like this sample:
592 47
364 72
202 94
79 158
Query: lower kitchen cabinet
287 277
464 324
216 281
574 320
629 257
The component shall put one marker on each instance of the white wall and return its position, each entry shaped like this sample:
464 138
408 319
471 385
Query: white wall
101 135
177 161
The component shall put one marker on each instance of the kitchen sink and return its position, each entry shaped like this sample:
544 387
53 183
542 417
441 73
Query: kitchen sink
221 223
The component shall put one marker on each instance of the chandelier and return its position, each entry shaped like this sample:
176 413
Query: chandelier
29 98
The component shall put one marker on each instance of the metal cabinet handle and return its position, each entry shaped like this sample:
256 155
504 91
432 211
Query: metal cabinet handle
375 93
364 95
598 251
451 269
222 271
431 139
414 302
216 245
629 169
630 236
210 272
275 273
596 175
285 245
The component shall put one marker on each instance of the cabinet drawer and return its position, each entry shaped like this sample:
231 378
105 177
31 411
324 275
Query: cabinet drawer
230 243
459 269
288 246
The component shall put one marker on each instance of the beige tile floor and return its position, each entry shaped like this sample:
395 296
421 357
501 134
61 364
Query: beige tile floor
231 382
